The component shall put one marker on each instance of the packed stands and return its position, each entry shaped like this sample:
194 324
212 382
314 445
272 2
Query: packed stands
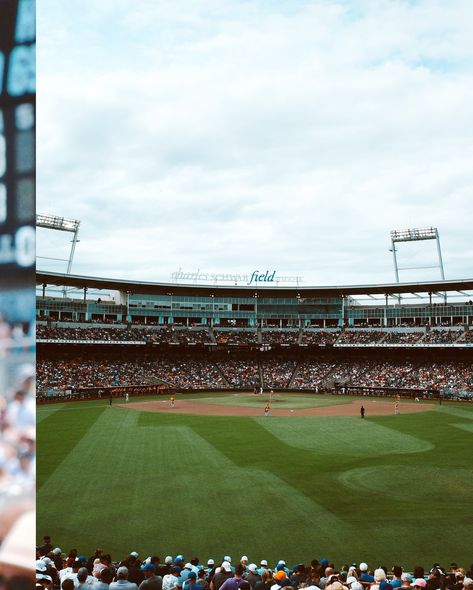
320 337
162 335
284 337
235 337
442 336
397 337
58 569
311 375
277 373
361 337
241 373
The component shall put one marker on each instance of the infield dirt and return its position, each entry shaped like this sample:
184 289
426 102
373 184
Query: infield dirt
187 406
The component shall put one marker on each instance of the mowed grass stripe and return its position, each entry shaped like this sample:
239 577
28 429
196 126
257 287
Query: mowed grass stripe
168 483
353 436
57 435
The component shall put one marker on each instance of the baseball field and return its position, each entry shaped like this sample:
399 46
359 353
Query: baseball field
214 476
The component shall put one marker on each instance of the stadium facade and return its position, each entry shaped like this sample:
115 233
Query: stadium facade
280 307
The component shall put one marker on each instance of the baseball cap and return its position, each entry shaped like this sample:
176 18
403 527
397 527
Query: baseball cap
41 566
252 567
210 562
148 567
227 558
43 577
419 582
244 558
168 559
47 560
179 557
226 566
57 551
134 553
82 571
192 576
176 569
280 575
406 577
281 562
363 566
324 561
81 558
263 562
122 571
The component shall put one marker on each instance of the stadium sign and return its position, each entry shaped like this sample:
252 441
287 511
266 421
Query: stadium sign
247 279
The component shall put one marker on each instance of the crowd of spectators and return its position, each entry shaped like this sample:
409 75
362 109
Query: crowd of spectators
311 375
71 571
441 336
320 337
404 337
89 334
192 336
361 337
453 376
277 373
284 336
466 336
241 373
182 335
67 374
156 335
236 337
192 374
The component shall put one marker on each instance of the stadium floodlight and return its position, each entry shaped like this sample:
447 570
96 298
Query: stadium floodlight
57 223
416 235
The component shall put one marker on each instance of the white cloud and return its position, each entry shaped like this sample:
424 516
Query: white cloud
237 134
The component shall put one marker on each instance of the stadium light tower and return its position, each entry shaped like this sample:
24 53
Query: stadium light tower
54 222
60 224
416 235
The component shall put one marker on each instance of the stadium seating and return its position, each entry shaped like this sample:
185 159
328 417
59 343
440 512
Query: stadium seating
60 570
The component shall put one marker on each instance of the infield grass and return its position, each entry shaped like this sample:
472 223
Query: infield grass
387 489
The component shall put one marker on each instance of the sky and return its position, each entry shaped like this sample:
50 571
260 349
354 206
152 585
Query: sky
236 135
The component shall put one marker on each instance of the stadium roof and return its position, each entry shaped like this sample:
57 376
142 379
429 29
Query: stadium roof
141 287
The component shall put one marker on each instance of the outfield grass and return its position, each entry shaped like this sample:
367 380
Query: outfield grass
385 489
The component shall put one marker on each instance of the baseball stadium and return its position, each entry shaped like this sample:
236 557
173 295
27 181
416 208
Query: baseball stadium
271 422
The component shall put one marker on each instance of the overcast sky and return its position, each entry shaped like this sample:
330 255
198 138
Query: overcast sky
234 135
